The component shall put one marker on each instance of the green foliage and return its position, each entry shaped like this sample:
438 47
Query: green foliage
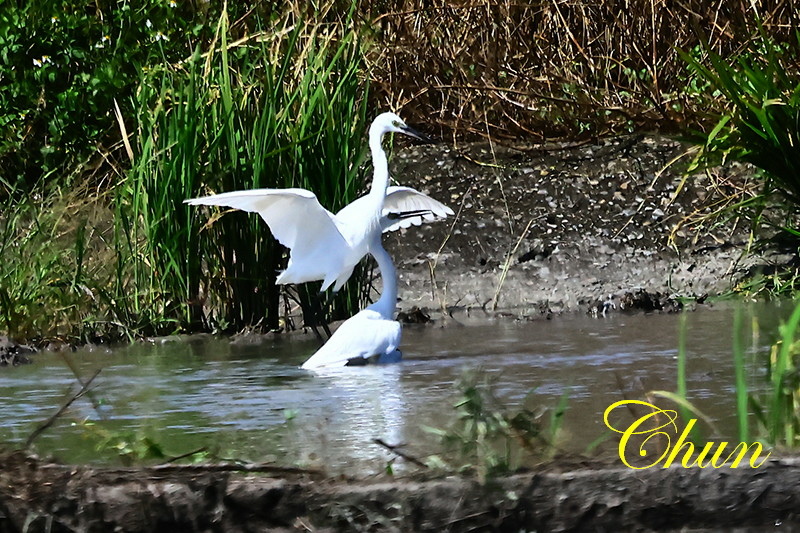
760 118
62 63
742 417
131 447
284 108
136 447
488 439
754 98
769 411
777 411
50 272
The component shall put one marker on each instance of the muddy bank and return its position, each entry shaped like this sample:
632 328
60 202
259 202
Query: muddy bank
13 353
45 497
553 229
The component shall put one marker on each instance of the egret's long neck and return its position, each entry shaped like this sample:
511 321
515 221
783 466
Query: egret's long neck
380 166
388 300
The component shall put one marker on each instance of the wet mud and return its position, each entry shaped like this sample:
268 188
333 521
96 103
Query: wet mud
551 229
12 353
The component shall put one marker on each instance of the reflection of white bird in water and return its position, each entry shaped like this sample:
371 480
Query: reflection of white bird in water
368 333
325 246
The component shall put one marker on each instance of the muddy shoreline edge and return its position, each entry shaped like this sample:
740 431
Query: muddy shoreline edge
50 497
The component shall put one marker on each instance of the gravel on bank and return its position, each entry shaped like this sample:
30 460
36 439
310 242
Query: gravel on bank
552 229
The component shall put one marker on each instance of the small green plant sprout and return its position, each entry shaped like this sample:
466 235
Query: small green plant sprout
137 446
132 447
489 440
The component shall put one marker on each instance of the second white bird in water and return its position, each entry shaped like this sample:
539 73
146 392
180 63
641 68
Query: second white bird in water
368 333
327 247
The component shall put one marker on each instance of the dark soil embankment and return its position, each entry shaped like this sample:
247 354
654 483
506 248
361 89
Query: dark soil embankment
13 354
41 497
581 228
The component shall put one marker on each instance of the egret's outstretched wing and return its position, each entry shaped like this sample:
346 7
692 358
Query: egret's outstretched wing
361 336
401 200
294 216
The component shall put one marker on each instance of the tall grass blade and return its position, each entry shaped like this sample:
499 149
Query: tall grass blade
681 379
782 415
742 414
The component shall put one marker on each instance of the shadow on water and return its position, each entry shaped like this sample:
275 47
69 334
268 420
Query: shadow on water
255 403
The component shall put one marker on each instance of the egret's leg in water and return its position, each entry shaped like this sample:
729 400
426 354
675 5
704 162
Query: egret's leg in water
320 309
310 301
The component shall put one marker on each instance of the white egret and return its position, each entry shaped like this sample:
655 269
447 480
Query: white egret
327 247
368 333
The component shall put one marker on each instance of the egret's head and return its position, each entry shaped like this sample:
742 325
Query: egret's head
391 123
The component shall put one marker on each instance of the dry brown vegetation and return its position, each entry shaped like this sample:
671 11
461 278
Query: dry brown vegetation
555 68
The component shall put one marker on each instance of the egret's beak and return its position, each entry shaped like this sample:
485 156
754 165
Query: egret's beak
411 132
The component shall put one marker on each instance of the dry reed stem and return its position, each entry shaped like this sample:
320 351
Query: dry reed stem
573 68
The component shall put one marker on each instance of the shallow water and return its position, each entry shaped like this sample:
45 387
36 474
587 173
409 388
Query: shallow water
253 402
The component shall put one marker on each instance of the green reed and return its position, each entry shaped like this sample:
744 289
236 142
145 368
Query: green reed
772 409
49 275
686 408
682 362
784 394
775 406
284 108
742 415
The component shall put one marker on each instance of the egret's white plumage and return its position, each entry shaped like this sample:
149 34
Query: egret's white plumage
324 246
368 333
398 200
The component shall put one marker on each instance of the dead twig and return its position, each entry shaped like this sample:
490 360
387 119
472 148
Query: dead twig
395 450
49 422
